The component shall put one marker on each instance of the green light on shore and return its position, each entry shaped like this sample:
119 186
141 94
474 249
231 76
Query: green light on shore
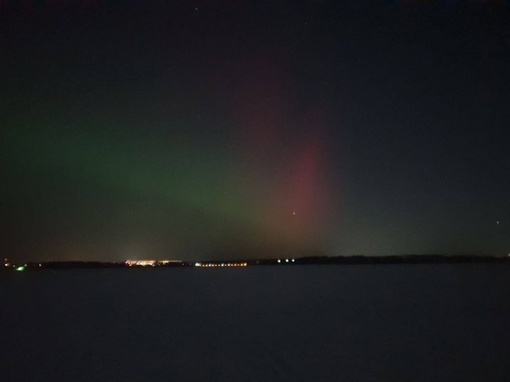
20 269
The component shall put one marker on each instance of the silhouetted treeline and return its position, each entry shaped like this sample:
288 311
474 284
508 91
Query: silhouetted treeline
402 259
307 260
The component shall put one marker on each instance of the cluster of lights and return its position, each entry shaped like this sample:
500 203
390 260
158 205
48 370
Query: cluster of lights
214 265
18 268
165 262
141 263
149 263
286 261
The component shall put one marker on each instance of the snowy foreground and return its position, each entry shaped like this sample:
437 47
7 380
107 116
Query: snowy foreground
303 323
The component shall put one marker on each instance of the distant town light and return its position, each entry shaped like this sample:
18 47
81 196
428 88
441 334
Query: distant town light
22 268
279 260
150 263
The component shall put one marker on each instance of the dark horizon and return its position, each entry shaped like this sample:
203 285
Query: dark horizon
298 323
184 130
239 263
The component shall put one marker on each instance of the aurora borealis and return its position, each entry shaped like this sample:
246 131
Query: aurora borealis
210 129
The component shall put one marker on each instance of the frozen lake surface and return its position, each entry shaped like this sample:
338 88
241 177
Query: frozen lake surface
297 323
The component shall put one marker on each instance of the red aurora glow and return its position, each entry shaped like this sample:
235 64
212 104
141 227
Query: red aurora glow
285 170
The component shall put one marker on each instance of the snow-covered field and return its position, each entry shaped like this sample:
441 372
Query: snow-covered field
297 323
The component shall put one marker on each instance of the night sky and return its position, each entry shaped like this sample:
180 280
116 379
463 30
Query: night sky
240 129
